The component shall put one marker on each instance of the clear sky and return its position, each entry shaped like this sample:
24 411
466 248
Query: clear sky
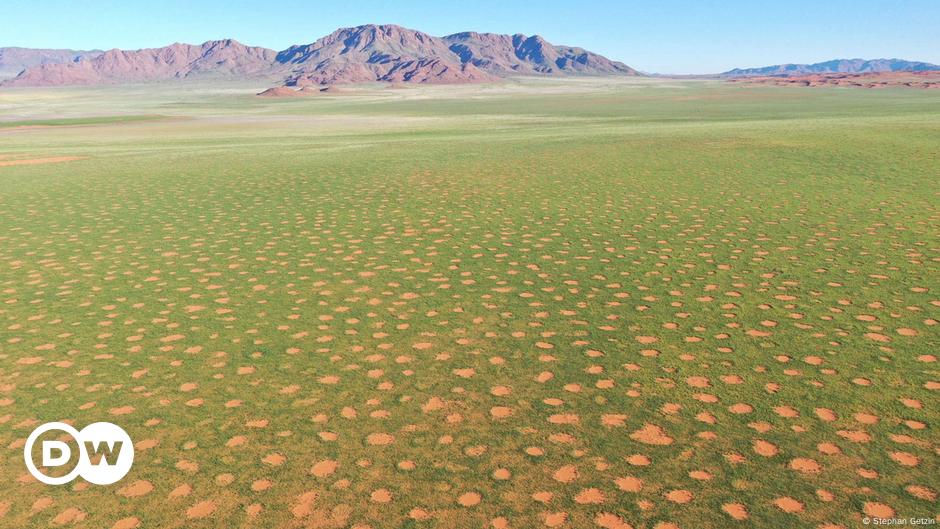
665 36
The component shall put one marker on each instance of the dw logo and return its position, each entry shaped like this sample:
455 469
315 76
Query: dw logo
105 453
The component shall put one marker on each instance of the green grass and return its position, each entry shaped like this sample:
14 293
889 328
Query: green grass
95 120
332 264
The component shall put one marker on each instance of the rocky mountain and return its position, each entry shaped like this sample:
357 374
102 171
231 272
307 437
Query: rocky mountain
837 66
519 54
348 55
227 58
377 53
15 60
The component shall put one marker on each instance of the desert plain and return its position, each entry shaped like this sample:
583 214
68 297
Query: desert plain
568 303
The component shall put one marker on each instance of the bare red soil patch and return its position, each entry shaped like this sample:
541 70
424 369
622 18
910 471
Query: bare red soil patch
38 161
652 435
735 510
788 505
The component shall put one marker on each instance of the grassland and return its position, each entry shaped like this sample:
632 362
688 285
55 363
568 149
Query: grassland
566 304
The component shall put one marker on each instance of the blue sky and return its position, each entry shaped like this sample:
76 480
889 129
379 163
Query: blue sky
666 36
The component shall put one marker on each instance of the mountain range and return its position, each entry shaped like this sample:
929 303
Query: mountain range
348 55
836 66
15 60
365 53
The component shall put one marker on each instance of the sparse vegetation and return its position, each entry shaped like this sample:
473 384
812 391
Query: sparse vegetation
585 303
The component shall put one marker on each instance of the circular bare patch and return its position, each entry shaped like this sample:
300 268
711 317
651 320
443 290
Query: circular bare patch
381 496
652 435
878 510
201 510
379 439
679 496
590 496
261 485
629 484
127 523
554 519
606 520
805 465
856 436
905 459
135 489
566 474
921 492
469 499
735 510
500 412
825 495
788 505
765 448
322 469
418 514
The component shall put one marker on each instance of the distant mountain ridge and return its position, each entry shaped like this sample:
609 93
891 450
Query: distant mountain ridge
348 55
14 60
837 66
176 61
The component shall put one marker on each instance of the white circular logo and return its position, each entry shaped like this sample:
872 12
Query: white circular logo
106 453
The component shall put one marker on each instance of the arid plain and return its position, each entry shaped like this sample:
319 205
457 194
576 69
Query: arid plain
569 303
